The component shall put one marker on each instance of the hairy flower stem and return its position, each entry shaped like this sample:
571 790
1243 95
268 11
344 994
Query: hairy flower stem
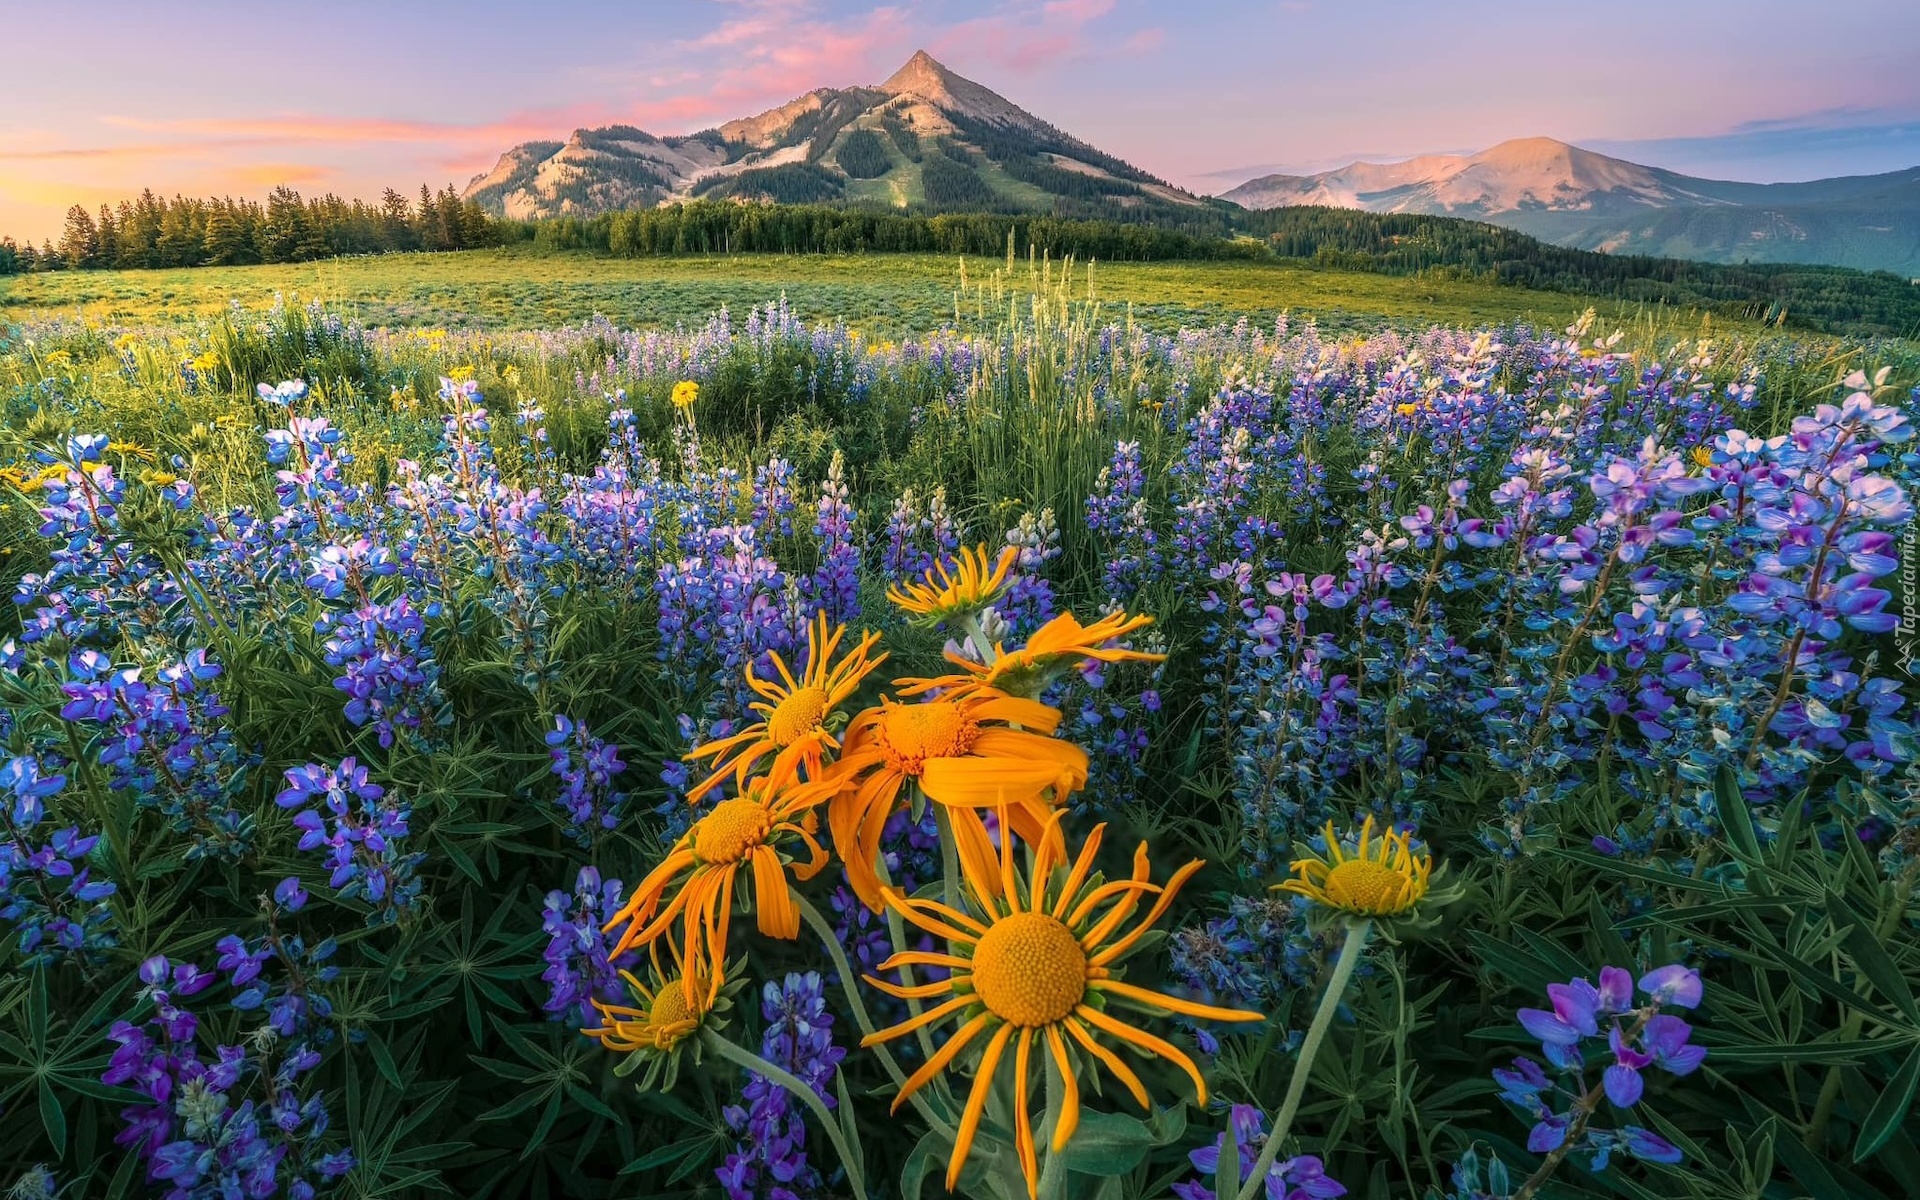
1358 931
897 930
949 861
743 1057
849 984
1053 1172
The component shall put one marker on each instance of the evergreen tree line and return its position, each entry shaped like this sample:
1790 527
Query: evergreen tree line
718 227
186 232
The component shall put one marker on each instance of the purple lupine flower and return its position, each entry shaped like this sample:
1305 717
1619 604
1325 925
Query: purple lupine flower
580 968
362 832
1299 1178
1637 1037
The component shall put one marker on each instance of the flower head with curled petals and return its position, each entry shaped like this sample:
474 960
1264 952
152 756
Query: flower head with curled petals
1378 877
695 883
798 713
1055 648
1035 962
977 751
972 584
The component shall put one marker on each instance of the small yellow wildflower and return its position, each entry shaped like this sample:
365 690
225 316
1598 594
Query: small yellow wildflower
1703 456
1380 877
685 393
971 586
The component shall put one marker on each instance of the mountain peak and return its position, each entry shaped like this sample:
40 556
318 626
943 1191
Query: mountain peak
925 78
922 73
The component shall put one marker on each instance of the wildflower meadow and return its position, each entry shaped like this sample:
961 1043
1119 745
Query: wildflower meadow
1039 757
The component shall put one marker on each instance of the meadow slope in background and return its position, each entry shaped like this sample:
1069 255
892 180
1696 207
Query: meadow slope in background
519 288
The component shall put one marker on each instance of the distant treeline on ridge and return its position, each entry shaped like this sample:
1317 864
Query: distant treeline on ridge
152 232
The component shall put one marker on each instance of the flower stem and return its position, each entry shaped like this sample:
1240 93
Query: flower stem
1053 1173
861 1017
1357 933
897 931
743 1057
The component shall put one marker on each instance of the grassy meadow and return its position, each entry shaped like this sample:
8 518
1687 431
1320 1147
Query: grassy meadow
1446 745
519 288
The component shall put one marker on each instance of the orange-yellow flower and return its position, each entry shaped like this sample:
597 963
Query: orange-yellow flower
1367 876
672 1010
963 752
1054 648
695 883
1032 960
796 715
969 587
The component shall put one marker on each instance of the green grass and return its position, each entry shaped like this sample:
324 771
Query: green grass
522 288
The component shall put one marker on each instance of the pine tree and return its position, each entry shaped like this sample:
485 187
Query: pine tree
227 242
109 238
80 244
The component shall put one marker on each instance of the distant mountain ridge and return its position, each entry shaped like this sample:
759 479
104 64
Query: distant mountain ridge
1573 197
925 139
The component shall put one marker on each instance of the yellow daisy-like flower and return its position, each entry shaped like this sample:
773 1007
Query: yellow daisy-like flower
1380 877
669 1012
970 587
130 450
796 712
695 883
1053 649
964 753
1703 456
1035 961
685 393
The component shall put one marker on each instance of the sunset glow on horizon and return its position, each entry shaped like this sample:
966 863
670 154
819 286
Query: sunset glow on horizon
99 102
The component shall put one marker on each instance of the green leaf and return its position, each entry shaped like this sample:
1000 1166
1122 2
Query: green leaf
922 1162
1735 817
1107 1144
1820 1053
1612 946
1864 947
1890 1110
660 1156
1810 1172
53 1118
849 1122
1226 1184
547 1118
383 1059
515 1106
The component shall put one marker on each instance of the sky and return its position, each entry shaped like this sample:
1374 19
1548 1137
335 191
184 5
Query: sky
231 98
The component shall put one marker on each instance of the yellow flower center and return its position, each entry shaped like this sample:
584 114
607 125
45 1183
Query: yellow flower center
670 1006
731 831
1029 970
911 734
1365 886
797 716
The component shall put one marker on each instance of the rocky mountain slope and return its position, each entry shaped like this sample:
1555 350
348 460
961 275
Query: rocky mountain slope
925 139
1575 197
